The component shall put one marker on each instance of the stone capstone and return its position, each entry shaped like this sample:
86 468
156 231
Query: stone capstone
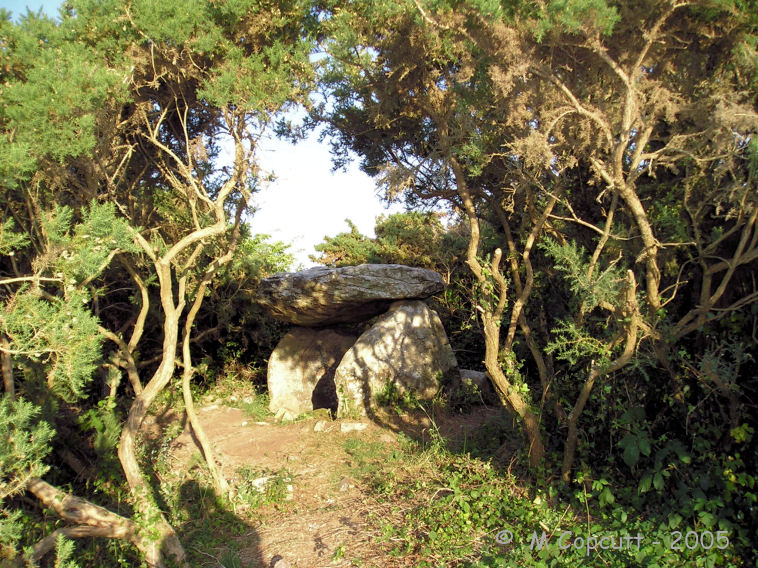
323 296
406 350
301 371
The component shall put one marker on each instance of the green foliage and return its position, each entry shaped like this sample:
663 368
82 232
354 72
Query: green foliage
24 443
11 531
256 488
413 238
600 289
84 252
636 442
58 335
416 238
246 333
93 144
577 16
464 397
230 559
457 515
112 118
373 459
399 400
256 406
57 223
10 240
64 551
258 257
347 249
574 344
52 95
106 424
56 339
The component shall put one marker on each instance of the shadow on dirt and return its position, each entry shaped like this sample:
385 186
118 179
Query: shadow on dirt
212 534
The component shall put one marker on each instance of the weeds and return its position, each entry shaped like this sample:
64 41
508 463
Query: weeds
400 401
256 488
256 406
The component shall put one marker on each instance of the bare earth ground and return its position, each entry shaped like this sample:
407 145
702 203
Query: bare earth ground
331 520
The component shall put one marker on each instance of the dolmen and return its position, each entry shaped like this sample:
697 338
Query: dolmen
359 331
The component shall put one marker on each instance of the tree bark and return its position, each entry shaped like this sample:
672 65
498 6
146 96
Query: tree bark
491 319
220 484
508 396
7 367
140 490
91 520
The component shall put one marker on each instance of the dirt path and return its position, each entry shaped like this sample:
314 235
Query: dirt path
330 519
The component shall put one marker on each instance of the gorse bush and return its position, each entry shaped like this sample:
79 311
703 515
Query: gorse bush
24 444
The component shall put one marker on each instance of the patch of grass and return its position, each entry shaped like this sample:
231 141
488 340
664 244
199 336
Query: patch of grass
368 456
206 523
256 406
319 413
464 397
236 383
379 465
258 487
230 559
445 509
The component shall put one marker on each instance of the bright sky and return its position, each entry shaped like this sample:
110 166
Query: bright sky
307 201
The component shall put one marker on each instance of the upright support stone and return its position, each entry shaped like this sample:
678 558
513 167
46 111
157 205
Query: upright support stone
301 371
406 348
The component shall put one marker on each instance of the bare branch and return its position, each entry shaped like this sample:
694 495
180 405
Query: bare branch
35 279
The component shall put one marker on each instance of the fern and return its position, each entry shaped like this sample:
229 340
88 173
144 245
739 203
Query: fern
106 424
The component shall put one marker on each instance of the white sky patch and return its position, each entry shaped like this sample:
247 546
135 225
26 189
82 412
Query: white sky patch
307 201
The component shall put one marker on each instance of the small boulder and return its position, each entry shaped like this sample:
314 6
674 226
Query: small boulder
321 426
301 371
279 562
352 427
323 296
407 347
478 384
